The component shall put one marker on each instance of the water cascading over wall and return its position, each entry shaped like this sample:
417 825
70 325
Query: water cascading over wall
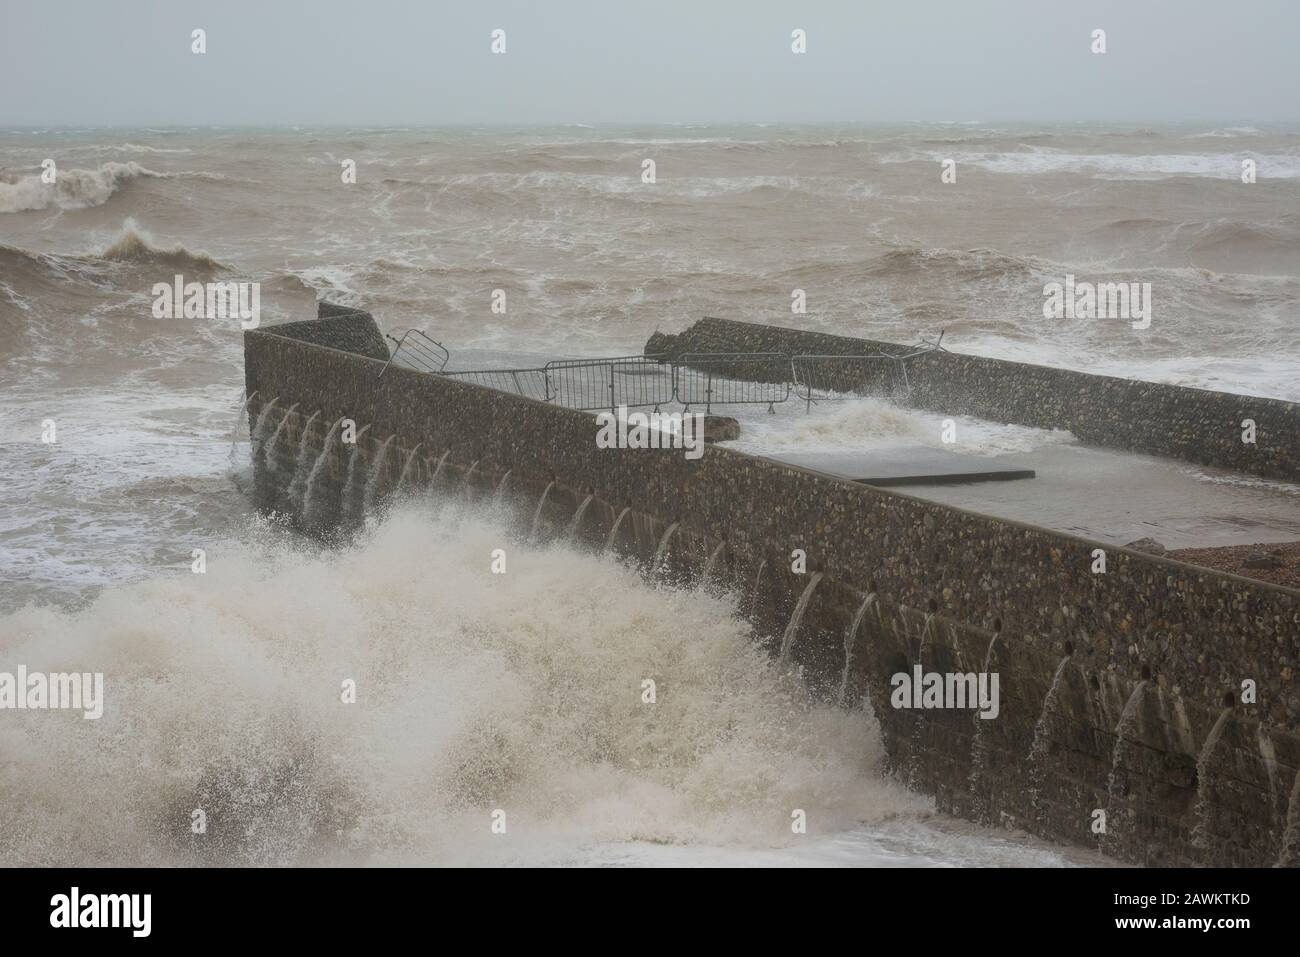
1119 692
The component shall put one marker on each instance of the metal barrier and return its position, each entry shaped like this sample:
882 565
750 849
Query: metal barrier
630 381
694 378
530 383
732 378
417 351
844 377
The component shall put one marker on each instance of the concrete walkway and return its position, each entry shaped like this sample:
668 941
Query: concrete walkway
1119 497
906 466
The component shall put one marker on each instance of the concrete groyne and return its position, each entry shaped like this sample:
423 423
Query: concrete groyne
1121 724
1195 425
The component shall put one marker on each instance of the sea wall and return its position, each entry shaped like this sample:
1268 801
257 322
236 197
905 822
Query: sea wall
1121 724
1194 425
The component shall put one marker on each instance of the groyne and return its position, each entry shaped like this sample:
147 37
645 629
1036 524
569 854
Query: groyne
1121 723
1195 425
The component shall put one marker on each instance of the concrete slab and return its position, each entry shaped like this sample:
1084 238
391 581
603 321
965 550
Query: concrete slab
901 466
1119 497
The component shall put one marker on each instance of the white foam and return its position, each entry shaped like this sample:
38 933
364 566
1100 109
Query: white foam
475 692
72 189
856 423
1117 165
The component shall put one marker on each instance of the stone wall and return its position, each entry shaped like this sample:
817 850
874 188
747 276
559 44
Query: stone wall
1194 425
1144 723
339 327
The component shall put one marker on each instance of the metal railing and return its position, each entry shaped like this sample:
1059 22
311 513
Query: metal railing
531 383
851 376
823 378
631 381
732 378
694 378
415 350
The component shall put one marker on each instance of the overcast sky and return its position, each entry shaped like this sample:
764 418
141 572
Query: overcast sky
406 62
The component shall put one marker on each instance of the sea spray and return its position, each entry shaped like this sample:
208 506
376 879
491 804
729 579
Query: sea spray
457 713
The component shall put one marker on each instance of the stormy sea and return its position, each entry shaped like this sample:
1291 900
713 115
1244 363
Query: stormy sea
511 690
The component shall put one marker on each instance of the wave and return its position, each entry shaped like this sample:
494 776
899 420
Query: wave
839 422
1225 245
80 188
475 692
72 189
133 148
1115 165
1228 132
977 263
135 246
63 284
473 188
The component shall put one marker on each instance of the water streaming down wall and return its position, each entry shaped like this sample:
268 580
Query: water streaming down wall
576 524
502 484
314 490
437 472
706 576
661 553
536 527
801 606
406 468
617 524
901 580
1041 748
377 479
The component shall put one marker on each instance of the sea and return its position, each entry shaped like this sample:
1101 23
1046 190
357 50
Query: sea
498 718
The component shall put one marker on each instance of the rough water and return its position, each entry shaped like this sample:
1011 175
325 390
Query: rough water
521 692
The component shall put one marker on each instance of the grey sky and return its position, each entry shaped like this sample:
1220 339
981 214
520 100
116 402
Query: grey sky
376 62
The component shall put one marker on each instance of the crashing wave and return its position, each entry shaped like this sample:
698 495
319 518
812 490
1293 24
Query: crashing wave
135 245
72 189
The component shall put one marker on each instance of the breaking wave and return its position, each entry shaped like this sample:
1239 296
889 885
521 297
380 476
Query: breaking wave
978 263
72 189
1115 165
842 422
474 692
79 188
136 246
